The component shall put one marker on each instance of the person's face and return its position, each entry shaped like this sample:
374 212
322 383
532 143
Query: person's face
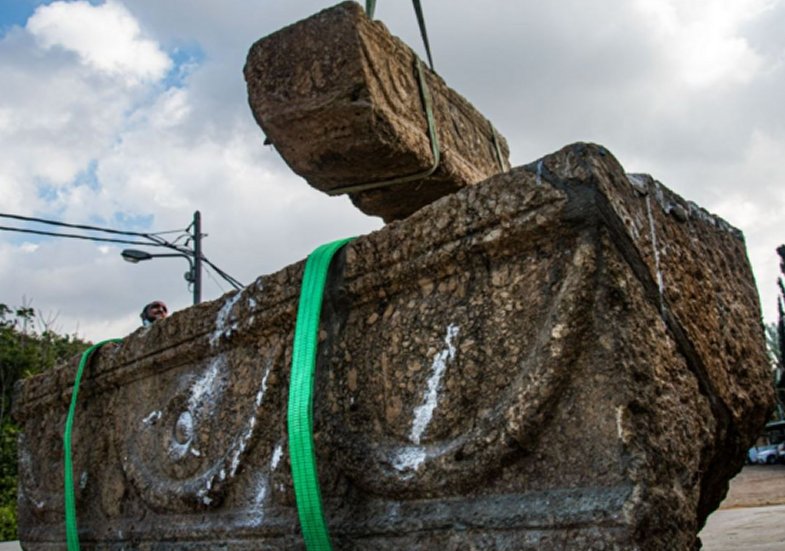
157 311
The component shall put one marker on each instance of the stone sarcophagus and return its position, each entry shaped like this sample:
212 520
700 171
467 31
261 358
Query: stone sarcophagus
341 100
560 357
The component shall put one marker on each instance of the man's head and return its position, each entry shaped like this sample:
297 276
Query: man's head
154 311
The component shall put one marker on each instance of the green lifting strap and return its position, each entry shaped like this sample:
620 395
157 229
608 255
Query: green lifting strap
498 150
423 32
71 533
370 7
300 410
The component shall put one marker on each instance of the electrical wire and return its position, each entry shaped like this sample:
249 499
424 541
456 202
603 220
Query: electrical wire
74 236
217 283
82 226
232 281
155 239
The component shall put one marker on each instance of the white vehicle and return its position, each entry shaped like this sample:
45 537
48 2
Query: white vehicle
763 455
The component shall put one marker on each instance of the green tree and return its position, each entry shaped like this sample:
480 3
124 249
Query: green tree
28 345
775 338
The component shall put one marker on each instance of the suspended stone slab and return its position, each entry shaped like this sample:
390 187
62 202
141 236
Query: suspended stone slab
561 357
339 98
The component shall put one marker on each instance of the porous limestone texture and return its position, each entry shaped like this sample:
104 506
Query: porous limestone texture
561 357
338 97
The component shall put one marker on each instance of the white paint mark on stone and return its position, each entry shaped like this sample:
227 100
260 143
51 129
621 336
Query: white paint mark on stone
409 458
203 391
620 422
263 388
152 418
83 480
653 232
424 413
276 459
221 319
195 452
177 450
261 491
638 181
202 493
204 386
246 436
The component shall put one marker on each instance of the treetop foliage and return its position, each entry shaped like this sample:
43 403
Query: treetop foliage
29 344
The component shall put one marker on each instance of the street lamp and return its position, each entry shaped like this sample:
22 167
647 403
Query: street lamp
194 258
134 256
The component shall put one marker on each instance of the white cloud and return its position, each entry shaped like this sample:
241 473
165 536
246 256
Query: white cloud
106 37
703 38
58 112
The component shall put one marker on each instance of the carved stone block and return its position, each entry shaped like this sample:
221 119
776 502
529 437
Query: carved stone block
563 356
338 97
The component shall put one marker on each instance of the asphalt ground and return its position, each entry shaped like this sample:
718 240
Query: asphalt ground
752 516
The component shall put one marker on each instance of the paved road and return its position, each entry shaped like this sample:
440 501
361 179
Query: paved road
752 516
747 528
10 546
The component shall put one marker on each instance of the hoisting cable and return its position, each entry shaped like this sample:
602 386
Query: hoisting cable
300 409
498 149
423 32
370 7
71 533
434 138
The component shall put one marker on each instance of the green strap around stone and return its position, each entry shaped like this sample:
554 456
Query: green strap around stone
71 533
370 7
300 411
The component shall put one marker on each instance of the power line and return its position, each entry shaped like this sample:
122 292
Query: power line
74 236
82 226
217 283
232 281
154 239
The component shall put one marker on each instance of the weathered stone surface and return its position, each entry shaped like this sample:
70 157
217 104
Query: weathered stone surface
560 357
338 97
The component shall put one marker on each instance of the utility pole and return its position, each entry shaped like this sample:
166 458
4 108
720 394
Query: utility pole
197 276
191 251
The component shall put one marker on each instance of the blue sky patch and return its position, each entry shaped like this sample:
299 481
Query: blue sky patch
186 59
88 177
132 222
16 13
48 192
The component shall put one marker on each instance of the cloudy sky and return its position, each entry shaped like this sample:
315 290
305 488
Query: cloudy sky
133 114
